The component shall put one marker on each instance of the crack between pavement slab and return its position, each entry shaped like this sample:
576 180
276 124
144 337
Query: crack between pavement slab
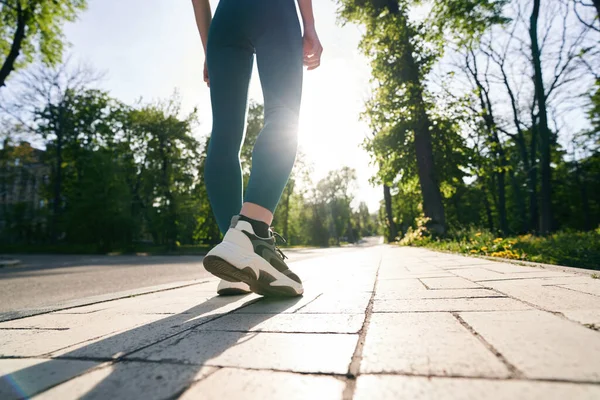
423 283
180 393
512 370
300 308
539 308
491 378
34 329
279 332
354 367
574 290
187 330
525 279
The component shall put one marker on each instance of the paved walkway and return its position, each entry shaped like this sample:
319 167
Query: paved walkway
374 323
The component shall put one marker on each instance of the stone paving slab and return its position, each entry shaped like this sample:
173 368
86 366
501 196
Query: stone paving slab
26 377
462 304
229 383
541 345
547 296
309 353
288 323
426 343
130 380
437 294
449 283
379 322
389 387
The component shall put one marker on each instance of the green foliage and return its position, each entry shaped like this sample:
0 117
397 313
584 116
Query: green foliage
43 35
576 249
465 19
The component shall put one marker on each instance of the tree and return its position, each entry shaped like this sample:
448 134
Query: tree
33 29
399 107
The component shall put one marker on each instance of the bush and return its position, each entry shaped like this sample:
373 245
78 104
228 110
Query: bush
575 249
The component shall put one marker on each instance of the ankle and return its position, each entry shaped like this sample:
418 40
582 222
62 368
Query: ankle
256 212
261 229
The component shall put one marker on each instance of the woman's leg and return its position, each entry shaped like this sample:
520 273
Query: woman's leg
229 69
279 59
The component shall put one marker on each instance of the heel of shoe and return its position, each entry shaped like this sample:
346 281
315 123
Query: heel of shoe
224 270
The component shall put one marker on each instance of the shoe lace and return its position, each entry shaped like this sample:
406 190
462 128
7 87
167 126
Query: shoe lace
278 236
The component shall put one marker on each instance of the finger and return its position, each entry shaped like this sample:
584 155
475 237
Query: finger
313 60
313 65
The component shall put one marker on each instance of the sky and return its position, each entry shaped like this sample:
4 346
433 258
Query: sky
150 48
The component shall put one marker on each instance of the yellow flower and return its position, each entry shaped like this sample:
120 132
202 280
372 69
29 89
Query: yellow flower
478 234
484 248
473 251
498 240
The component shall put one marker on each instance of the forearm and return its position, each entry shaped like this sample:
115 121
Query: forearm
306 10
203 16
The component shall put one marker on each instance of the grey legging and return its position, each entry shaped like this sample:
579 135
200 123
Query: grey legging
241 28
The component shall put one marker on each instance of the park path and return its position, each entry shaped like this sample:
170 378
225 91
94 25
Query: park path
380 322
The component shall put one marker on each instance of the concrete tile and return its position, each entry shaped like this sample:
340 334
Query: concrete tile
280 351
589 317
290 323
509 268
478 273
267 305
167 302
554 281
437 294
449 283
230 383
129 380
412 275
332 302
389 387
593 287
468 304
343 303
103 334
540 344
527 275
25 377
69 330
551 298
426 343
131 339
394 285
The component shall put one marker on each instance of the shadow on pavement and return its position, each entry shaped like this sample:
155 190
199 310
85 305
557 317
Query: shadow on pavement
122 381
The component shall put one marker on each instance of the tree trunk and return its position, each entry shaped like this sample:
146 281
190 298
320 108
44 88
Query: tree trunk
57 187
532 180
544 130
15 49
518 199
387 196
433 206
585 200
488 209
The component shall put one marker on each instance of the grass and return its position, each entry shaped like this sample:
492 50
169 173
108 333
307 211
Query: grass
574 249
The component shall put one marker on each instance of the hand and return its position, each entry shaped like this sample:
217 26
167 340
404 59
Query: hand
312 49
206 75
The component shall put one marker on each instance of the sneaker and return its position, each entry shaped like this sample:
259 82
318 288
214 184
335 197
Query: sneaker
243 256
232 288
